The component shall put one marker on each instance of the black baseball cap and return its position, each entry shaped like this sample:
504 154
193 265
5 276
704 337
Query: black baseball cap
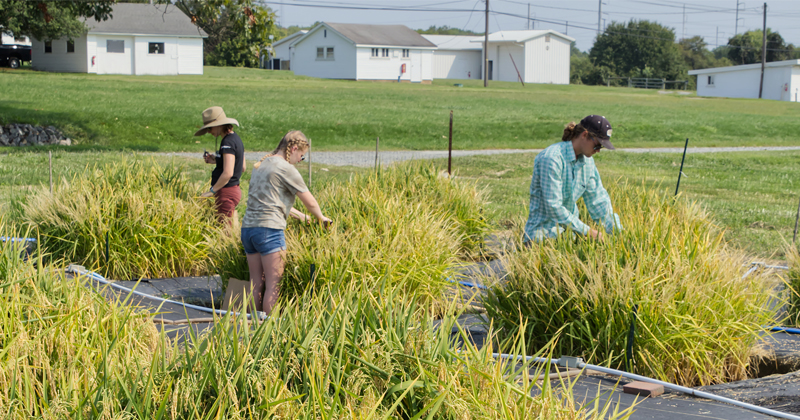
599 126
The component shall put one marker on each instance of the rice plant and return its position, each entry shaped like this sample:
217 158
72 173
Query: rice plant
146 214
350 352
697 319
792 287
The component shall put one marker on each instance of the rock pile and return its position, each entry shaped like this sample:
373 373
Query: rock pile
29 135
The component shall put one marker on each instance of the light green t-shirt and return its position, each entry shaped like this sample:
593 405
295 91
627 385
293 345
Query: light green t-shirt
273 187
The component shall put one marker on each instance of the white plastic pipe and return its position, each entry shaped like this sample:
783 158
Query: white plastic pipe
101 279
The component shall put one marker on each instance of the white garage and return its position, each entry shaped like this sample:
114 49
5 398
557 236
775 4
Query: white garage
781 81
533 56
139 39
456 56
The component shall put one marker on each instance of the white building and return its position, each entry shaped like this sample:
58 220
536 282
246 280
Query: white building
363 52
456 56
139 39
284 47
540 56
781 81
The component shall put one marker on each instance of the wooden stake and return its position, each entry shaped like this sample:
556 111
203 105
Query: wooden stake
794 238
377 142
309 164
51 171
450 147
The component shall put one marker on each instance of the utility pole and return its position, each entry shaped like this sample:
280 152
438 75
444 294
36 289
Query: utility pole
763 52
716 40
683 29
486 49
529 16
599 15
736 31
567 28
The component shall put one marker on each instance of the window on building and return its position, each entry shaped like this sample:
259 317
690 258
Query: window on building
384 52
324 53
48 47
547 38
70 46
115 45
406 53
711 80
324 33
156 48
375 52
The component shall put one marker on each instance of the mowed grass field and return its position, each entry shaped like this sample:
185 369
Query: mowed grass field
754 196
161 113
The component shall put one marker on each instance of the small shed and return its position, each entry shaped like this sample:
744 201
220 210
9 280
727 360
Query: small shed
363 52
540 56
138 39
781 81
456 56
283 49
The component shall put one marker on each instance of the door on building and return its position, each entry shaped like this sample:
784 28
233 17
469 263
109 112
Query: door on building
491 70
416 67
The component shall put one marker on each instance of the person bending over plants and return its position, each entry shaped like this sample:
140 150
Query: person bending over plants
274 184
229 160
565 172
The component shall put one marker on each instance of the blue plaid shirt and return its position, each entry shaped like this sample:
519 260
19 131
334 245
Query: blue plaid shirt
559 180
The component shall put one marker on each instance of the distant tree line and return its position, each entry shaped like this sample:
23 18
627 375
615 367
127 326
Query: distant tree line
640 48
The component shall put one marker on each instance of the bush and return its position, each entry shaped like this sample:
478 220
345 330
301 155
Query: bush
155 225
697 318
792 287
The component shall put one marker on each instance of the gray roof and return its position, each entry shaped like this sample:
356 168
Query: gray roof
394 35
146 19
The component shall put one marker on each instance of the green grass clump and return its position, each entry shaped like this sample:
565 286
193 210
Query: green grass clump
792 286
697 318
155 226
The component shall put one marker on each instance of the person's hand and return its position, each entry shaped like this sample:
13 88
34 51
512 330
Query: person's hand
326 222
596 235
207 194
209 158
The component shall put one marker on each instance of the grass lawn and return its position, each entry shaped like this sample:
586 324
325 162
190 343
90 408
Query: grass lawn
160 113
753 195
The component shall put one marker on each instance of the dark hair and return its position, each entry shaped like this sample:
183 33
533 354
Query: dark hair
572 130
227 127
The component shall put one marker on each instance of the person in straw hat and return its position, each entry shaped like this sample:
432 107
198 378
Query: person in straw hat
229 161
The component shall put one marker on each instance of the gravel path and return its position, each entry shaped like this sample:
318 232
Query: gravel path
366 159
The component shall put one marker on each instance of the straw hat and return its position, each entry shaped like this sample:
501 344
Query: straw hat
214 117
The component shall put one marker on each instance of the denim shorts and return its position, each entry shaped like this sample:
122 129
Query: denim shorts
263 240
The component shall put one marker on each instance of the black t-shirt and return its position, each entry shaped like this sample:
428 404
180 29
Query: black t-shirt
232 144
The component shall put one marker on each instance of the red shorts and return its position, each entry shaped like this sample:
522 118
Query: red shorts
226 200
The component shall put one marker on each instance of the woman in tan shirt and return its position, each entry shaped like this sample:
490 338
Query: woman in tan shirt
274 184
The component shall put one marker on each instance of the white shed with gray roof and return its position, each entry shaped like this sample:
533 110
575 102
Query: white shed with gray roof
534 56
138 39
363 52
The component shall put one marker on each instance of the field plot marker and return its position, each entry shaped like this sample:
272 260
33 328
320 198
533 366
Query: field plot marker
794 237
309 164
450 147
51 171
377 142
681 170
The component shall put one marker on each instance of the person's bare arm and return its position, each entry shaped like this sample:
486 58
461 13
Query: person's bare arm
228 162
311 204
297 214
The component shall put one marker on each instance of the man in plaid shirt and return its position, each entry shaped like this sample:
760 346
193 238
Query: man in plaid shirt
565 172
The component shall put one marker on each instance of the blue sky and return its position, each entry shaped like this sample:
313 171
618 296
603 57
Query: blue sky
705 18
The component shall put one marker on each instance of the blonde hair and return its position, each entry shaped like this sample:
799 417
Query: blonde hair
572 130
291 139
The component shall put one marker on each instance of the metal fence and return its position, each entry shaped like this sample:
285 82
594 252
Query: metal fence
647 82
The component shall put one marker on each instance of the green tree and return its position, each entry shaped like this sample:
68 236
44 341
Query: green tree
696 55
237 29
580 67
51 19
637 49
745 48
446 30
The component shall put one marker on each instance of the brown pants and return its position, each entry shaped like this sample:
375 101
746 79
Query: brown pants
226 200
